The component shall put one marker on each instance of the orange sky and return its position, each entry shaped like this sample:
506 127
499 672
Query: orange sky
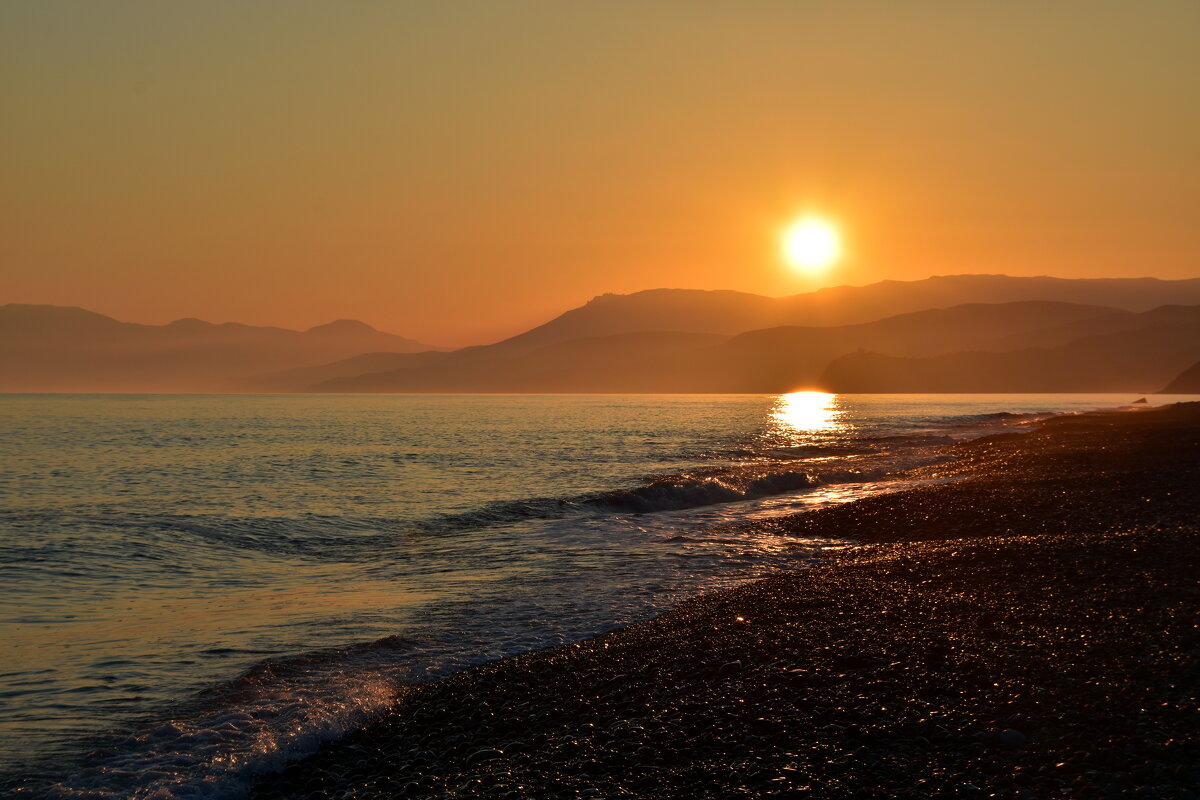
459 171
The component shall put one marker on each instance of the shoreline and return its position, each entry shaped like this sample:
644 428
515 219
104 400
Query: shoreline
1027 631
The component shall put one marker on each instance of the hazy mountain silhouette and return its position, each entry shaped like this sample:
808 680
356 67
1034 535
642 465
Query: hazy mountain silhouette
1187 382
773 360
624 362
291 380
1135 360
831 306
662 340
725 312
1098 326
56 348
690 310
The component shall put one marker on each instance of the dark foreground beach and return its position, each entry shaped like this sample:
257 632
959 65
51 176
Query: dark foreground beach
1029 631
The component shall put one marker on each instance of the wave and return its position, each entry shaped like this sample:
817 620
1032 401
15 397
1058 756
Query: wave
682 492
765 471
216 743
1003 418
771 471
1001 415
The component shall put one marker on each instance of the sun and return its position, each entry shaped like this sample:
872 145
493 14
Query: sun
811 243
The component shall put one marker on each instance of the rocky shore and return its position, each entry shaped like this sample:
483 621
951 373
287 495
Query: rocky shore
1031 630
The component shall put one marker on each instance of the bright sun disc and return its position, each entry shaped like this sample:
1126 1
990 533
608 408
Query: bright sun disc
811 244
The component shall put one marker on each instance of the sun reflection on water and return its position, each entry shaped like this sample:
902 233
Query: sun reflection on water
807 412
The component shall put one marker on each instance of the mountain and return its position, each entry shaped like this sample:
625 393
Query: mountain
299 378
1133 360
834 306
67 349
1116 322
725 312
651 341
1187 382
622 363
776 359
653 310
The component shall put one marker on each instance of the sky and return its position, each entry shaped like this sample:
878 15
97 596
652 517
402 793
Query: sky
459 171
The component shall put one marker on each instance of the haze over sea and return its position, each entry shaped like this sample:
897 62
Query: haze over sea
198 587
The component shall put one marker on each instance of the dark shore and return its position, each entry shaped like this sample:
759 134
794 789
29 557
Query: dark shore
1029 631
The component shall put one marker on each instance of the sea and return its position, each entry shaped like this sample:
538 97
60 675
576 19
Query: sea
195 589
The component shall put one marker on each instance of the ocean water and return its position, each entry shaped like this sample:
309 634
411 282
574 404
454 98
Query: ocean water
197 588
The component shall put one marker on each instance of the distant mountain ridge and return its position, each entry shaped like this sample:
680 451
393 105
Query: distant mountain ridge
1139 358
61 348
659 340
22 319
1117 322
778 359
1187 382
728 312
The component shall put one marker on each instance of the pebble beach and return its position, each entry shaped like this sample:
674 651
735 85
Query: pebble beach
1030 629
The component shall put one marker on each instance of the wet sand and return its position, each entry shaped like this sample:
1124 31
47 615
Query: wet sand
1031 630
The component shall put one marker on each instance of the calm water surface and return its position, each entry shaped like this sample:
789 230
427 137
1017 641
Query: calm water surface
198 587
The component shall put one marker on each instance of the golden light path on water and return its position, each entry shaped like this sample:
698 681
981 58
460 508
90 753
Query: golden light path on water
799 419
807 412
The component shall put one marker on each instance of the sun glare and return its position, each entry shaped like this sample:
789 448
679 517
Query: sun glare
811 243
804 412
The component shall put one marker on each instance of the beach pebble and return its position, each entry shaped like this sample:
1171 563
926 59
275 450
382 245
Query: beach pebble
486 754
1011 738
1007 738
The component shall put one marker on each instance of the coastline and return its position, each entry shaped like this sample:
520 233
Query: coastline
1026 631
